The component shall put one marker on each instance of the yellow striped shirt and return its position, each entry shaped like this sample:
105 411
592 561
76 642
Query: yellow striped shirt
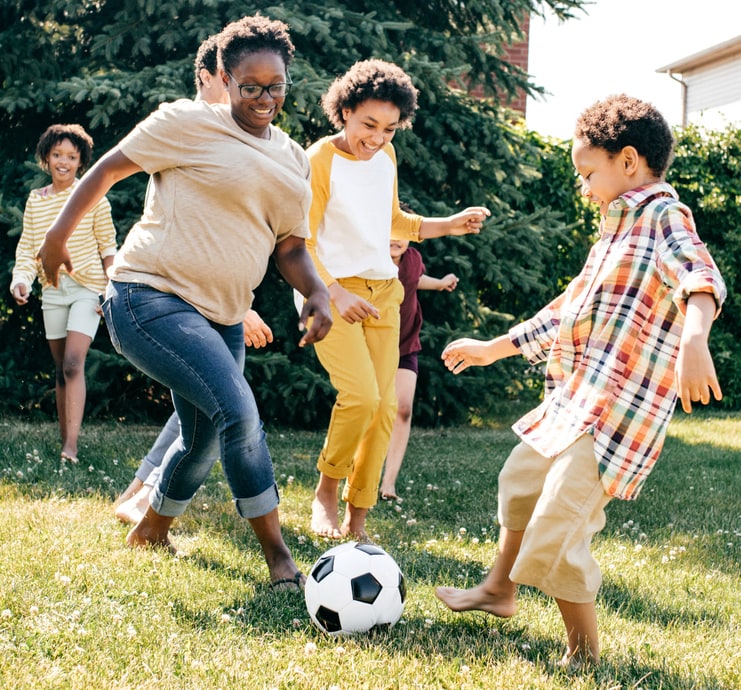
93 239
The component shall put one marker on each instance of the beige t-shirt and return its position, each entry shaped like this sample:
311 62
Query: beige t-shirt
220 200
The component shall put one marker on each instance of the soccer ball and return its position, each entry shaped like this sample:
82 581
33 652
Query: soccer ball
353 588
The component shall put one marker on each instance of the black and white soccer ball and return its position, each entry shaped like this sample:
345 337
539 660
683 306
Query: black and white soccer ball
354 588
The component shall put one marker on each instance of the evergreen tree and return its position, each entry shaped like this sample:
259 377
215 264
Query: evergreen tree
106 64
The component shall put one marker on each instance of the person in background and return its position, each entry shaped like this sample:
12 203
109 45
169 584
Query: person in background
229 190
626 338
354 214
413 277
133 501
70 308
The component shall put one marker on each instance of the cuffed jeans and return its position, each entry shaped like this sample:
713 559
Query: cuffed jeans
202 364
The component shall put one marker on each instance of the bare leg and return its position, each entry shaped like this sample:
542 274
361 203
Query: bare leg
152 530
277 556
406 383
497 593
324 516
57 353
354 523
73 350
581 630
130 490
133 509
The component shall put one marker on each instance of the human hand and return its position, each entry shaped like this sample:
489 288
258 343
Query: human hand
694 374
21 293
53 255
351 308
257 333
466 352
317 313
449 282
468 221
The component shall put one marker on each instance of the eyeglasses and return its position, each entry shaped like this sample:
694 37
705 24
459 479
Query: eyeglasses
253 91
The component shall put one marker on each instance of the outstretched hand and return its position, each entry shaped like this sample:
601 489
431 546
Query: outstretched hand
468 221
54 255
466 352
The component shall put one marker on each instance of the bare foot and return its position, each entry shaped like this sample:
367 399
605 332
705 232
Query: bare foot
130 490
477 599
131 511
152 530
388 493
324 520
353 526
576 661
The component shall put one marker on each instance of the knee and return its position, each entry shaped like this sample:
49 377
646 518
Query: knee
73 367
359 404
404 412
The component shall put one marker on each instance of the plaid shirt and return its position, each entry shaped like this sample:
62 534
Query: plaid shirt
610 341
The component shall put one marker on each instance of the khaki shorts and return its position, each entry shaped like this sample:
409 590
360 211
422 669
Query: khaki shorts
559 503
69 307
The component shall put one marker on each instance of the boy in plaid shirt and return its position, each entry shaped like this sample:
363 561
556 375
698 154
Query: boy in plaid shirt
620 344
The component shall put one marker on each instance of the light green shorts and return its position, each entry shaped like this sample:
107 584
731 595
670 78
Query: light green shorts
69 307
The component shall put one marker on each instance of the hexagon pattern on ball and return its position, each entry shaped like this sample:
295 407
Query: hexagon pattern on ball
354 588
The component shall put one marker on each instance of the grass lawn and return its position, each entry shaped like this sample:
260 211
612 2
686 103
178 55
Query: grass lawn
80 610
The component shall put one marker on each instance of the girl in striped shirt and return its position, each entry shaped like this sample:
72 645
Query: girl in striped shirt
71 311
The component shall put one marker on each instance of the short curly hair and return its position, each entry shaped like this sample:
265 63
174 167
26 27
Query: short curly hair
620 121
250 35
206 58
80 139
371 79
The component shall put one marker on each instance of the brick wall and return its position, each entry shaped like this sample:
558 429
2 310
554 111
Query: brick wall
516 54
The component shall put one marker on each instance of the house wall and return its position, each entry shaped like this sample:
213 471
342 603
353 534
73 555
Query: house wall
714 86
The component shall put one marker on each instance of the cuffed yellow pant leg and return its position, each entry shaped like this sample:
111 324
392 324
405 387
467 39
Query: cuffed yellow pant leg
361 360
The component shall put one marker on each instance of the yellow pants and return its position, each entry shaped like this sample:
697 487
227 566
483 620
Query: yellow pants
361 360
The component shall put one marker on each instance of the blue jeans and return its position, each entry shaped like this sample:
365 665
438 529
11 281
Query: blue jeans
202 363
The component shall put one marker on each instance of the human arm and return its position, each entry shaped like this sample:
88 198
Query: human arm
93 186
466 222
694 372
469 352
25 268
448 282
257 333
295 265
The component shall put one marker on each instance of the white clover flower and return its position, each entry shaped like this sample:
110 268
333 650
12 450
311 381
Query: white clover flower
226 618
6 613
310 648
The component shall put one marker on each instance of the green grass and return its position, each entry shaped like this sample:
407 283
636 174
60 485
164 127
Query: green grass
80 610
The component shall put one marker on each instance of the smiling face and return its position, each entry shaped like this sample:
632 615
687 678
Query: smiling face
262 68
63 163
397 249
368 128
604 176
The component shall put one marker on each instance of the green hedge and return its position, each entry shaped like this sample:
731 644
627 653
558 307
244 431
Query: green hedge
107 64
